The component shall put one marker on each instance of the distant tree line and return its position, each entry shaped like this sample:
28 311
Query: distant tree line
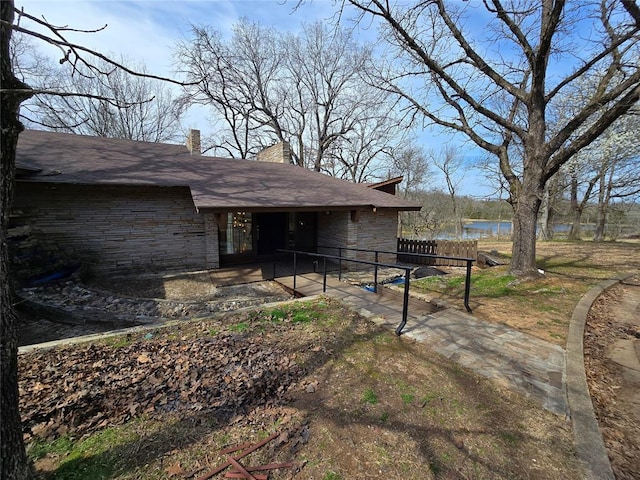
438 217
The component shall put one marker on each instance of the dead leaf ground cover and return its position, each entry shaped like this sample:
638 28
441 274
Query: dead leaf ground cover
541 307
350 400
614 391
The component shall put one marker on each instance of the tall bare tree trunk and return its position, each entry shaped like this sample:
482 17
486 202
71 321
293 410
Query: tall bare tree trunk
13 463
526 198
574 231
525 214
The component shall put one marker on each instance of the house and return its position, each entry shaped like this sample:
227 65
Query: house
121 204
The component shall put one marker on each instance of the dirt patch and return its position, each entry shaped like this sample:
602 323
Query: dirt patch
614 388
187 286
350 399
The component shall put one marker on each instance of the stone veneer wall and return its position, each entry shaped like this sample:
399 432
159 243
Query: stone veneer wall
118 228
278 153
212 244
373 231
335 229
379 231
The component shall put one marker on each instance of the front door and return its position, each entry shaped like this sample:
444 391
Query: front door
304 227
271 232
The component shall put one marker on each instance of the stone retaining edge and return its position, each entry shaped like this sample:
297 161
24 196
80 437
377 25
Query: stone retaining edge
587 436
151 327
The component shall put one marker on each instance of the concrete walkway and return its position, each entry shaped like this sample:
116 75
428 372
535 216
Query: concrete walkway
534 367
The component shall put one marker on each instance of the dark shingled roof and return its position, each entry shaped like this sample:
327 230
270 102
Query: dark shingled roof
215 183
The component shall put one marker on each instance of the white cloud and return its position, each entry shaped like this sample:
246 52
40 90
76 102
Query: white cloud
147 30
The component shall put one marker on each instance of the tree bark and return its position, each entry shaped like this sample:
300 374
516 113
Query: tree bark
574 232
604 197
526 198
14 463
523 254
546 216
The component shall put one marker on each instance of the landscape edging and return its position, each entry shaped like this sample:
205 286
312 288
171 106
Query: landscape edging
587 436
151 327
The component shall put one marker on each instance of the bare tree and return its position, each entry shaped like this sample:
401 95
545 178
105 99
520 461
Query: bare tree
238 79
431 221
135 108
497 183
496 85
412 162
551 200
330 64
306 88
582 180
13 461
449 162
27 61
13 92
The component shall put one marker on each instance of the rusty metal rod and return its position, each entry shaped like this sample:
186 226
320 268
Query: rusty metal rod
242 454
240 468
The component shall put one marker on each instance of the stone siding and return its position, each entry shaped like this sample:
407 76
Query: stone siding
115 227
122 228
378 231
364 230
336 229
278 153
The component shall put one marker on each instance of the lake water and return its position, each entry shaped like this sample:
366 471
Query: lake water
476 229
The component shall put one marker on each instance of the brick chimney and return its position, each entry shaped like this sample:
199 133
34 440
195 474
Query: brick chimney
278 153
193 142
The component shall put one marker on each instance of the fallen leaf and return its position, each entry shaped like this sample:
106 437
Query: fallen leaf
175 470
143 358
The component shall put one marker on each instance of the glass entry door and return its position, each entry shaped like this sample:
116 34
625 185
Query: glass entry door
247 237
235 235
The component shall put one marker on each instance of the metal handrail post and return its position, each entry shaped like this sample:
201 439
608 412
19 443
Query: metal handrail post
324 276
295 259
405 305
467 286
375 275
340 263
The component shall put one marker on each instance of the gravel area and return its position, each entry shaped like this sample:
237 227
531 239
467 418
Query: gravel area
66 309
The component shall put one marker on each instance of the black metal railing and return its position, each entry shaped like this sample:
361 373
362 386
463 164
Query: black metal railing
407 272
468 262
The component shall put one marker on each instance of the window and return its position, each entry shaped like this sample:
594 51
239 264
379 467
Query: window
236 235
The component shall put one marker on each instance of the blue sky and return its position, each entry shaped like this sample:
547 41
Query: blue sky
147 31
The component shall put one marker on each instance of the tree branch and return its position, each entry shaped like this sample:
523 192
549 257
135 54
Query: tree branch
632 7
432 64
621 107
77 50
517 32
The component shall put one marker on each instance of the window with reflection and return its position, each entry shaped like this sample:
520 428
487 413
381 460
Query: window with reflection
236 234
